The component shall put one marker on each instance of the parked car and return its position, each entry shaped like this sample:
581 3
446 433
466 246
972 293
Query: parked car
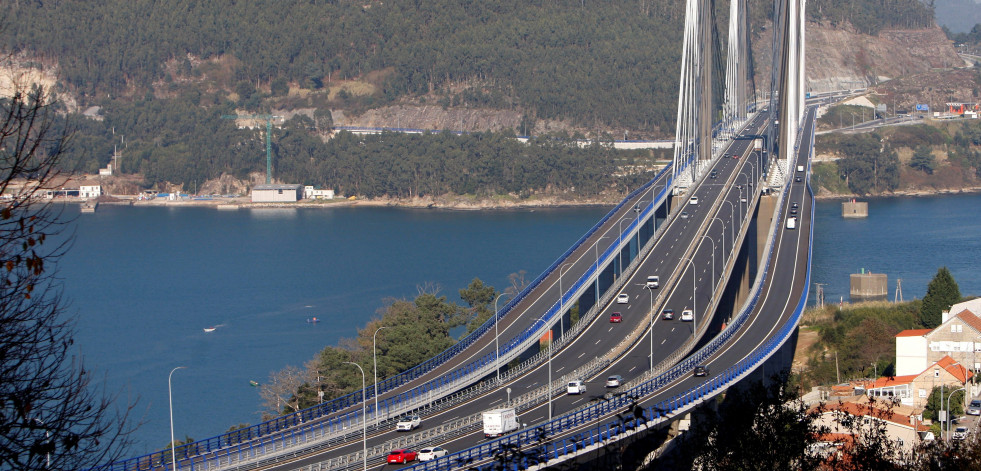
975 407
701 370
615 318
623 298
576 387
960 433
614 381
431 453
401 456
667 314
687 315
407 423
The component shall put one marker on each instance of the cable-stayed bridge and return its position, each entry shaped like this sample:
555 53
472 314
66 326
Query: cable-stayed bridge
714 227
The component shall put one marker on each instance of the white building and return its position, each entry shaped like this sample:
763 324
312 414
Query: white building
911 351
89 190
311 193
277 193
958 336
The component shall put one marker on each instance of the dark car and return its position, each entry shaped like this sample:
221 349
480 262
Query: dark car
701 370
667 314
616 318
401 456
798 179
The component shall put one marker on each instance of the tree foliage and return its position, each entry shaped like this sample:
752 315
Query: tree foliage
50 415
942 292
923 160
868 165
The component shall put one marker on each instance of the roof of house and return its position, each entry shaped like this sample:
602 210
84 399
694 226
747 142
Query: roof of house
885 410
887 381
970 319
953 367
914 332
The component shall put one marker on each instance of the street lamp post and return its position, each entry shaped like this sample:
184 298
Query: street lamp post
548 389
713 263
170 398
694 303
374 358
620 241
561 299
732 237
497 345
948 410
364 422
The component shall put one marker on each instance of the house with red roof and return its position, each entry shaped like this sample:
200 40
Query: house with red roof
913 390
958 337
903 424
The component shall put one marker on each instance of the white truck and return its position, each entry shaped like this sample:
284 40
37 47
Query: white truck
499 422
757 144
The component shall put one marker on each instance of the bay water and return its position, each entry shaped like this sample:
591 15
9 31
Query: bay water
144 282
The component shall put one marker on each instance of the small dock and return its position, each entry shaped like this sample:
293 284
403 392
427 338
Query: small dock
855 209
90 206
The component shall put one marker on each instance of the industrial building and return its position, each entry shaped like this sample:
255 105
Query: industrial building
273 193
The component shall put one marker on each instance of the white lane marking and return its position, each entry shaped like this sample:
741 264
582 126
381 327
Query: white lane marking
581 355
597 342
665 340
560 369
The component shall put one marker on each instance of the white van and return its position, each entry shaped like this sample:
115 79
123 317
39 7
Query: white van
576 387
653 282
800 168
791 223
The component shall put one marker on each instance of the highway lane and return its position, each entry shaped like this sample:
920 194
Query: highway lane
779 298
668 249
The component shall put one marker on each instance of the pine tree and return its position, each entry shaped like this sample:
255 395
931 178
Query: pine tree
942 292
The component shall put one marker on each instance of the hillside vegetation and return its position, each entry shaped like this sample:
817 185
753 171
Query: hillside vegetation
165 71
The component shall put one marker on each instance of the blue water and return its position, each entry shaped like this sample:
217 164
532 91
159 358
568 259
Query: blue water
905 238
145 281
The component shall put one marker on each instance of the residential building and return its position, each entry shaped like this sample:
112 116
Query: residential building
904 424
913 390
89 189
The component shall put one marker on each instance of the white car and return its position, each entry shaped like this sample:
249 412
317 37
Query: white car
687 315
576 387
960 433
623 298
693 200
407 423
431 453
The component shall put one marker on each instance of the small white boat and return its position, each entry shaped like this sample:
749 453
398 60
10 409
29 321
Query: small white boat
210 329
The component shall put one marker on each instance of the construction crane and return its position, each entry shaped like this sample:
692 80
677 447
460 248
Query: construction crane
269 118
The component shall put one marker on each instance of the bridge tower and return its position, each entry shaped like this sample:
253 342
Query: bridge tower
693 133
787 89
735 110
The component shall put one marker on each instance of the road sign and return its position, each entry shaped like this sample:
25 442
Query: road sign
920 107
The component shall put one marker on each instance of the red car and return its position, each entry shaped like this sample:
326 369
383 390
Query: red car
616 317
401 456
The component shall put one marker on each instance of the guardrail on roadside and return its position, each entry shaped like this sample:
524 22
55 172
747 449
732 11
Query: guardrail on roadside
544 450
240 437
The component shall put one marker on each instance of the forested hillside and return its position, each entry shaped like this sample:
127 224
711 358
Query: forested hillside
164 72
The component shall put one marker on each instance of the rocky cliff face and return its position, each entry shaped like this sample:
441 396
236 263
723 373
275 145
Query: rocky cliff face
840 59
836 59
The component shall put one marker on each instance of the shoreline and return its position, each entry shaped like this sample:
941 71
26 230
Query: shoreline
459 203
